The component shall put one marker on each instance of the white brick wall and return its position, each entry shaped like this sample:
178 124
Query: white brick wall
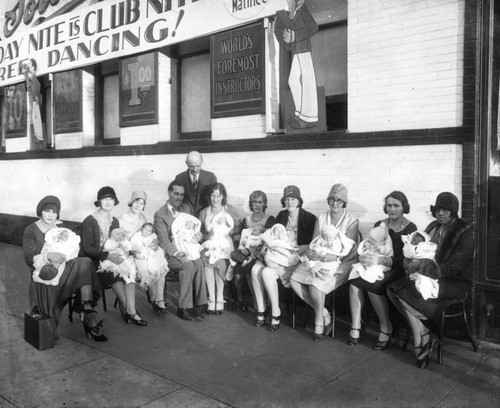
405 64
370 174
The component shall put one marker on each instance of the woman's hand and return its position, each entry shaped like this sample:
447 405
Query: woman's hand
56 257
302 249
370 260
312 254
181 256
116 258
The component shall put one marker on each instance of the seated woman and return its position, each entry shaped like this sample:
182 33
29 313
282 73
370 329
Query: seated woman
395 206
78 275
454 257
299 224
313 288
96 229
132 222
249 249
220 224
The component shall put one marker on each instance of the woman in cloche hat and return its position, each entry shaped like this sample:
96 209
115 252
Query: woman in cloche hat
96 229
313 288
132 221
79 274
454 257
299 224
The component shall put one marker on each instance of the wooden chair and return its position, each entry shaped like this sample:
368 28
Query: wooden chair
456 308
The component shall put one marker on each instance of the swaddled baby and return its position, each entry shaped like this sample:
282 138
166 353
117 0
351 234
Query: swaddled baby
379 243
220 245
186 235
330 242
59 241
248 250
119 244
149 257
280 252
419 263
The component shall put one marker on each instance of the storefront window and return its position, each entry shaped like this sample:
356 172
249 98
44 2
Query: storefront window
111 110
330 62
195 95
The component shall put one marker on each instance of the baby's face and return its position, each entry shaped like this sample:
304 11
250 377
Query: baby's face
279 234
190 225
147 230
257 230
370 242
417 239
328 237
118 235
63 236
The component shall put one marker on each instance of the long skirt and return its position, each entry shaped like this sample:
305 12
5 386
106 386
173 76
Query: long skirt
52 299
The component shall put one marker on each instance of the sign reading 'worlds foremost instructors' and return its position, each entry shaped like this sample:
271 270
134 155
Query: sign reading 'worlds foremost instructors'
68 101
237 68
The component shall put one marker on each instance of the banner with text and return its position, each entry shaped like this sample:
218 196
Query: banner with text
117 28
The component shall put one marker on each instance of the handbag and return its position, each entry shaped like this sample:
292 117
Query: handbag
39 330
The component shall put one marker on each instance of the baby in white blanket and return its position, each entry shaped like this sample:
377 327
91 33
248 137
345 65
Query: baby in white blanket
419 253
280 252
119 244
329 242
149 257
379 243
220 245
186 235
59 241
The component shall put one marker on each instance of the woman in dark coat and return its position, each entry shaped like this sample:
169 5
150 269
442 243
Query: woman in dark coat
396 205
96 229
454 257
299 224
79 274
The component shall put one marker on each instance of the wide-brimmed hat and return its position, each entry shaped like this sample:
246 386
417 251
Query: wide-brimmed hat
136 195
291 191
338 191
445 200
48 202
105 192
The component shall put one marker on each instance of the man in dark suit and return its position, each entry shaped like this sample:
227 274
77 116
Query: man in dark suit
191 273
195 182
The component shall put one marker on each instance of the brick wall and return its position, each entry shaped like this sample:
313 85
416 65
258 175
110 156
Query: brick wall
369 173
405 64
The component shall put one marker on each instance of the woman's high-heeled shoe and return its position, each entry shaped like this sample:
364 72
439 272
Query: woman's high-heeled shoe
137 319
159 307
93 329
318 336
427 347
274 326
259 319
382 345
354 340
211 308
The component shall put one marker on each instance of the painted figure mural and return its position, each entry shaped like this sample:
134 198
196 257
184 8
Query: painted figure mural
294 29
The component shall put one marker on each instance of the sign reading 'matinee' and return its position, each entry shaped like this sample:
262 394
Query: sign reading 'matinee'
237 80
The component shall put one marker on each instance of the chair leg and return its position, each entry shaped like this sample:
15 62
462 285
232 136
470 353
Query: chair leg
103 294
115 303
441 339
71 304
294 309
333 314
475 346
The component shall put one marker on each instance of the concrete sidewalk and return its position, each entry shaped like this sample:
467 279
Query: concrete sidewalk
221 362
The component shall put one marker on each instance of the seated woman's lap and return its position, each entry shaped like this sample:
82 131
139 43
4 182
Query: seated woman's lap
378 287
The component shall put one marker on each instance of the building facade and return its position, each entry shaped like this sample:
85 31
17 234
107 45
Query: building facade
405 93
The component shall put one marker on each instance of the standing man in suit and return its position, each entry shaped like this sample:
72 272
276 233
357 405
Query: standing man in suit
191 273
195 182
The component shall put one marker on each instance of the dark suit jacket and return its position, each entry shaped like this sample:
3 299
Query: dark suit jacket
163 225
196 199
306 223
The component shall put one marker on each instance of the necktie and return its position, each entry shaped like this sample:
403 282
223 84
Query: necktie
195 183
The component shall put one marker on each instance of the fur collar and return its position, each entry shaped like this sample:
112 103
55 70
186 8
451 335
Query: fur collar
447 247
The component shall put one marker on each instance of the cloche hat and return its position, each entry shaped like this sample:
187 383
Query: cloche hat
48 202
445 200
105 192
